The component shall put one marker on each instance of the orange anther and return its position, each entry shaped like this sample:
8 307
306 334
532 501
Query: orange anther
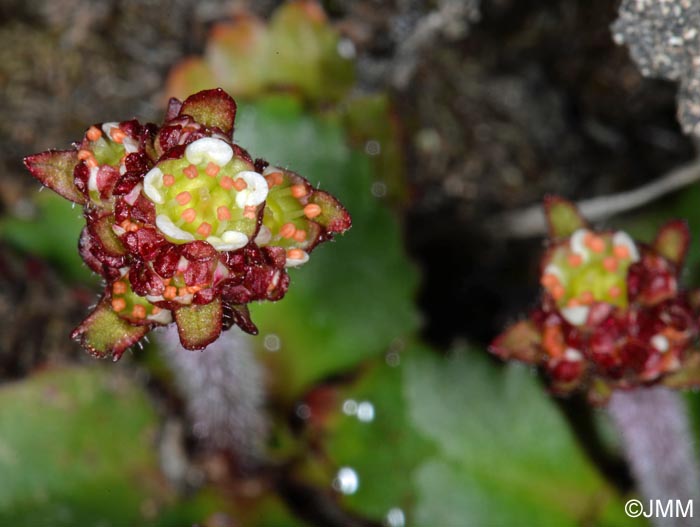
155 310
596 243
118 304
300 235
190 171
549 280
93 133
183 198
166 281
119 288
295 254
193 289
182 291
92 162
614 291
312 210
621 251
84 154
139 311
249 212
168 180
240 184
287 230
586 297
170 292
132 227
574 259
223 214
553 341
557 292
189 215
117 135
226 183
573 302
610 264
212 169
298 191
204 229
275 178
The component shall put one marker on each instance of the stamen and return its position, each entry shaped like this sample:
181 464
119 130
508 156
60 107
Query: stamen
155 310
288 230
239 184
212 169
183 198
273 179
295 254
93 133
312 210
610 264
190 171
574 259
204 229
614 291
298 191
139 311
117 135
84 154
170 292
189 215
118 304
557 292
249 212
587 297
595 243
226 183
182 291
300 235
168 180
621 251
223 214
119 288
92 162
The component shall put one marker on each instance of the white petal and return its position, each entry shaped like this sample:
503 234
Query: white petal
575 315
164 317
660 342
264 236
152 183
168 228
209 149
296 262
577 243
270 170
572 354
155 298
132 196
92 179
255 192
108 127
624 239
229 241
554 270
130 145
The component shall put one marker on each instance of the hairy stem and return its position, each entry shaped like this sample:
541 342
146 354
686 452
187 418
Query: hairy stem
223 387
657 440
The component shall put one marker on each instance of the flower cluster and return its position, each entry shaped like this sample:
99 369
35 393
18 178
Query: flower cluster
612 314
183 224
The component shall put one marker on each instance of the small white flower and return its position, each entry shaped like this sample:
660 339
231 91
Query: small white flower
171 230
152 183
255 192
209 149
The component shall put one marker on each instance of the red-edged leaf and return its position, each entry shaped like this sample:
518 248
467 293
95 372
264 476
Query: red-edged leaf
333 216
521 341
55 170
213 108
563 217
103 333
101 229
199 325
672 241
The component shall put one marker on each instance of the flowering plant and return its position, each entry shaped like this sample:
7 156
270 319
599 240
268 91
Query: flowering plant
183 224
612 313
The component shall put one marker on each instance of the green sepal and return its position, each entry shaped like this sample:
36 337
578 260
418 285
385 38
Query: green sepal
333 215
212 108
199 325
672 241
55 170
563 217
104 333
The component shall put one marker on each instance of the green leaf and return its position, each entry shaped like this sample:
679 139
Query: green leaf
76 448
459 441
199 325
213 108
55 170
355 295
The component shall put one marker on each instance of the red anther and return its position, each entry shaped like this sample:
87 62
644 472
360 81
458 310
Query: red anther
170 292
574 259
610 264
298 191
226 183
223 213
312 210
204 229
119 288
300 235
212 169
168 180
190 171
189 215
118 304
183 198
287 230
240 184
84 154
117 135
295 254
139 311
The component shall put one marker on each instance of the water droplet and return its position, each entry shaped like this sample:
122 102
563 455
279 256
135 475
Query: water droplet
395 518
350 407
378 189
303 411
365 412
272 342
393 359
346 481
373 147
346 48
